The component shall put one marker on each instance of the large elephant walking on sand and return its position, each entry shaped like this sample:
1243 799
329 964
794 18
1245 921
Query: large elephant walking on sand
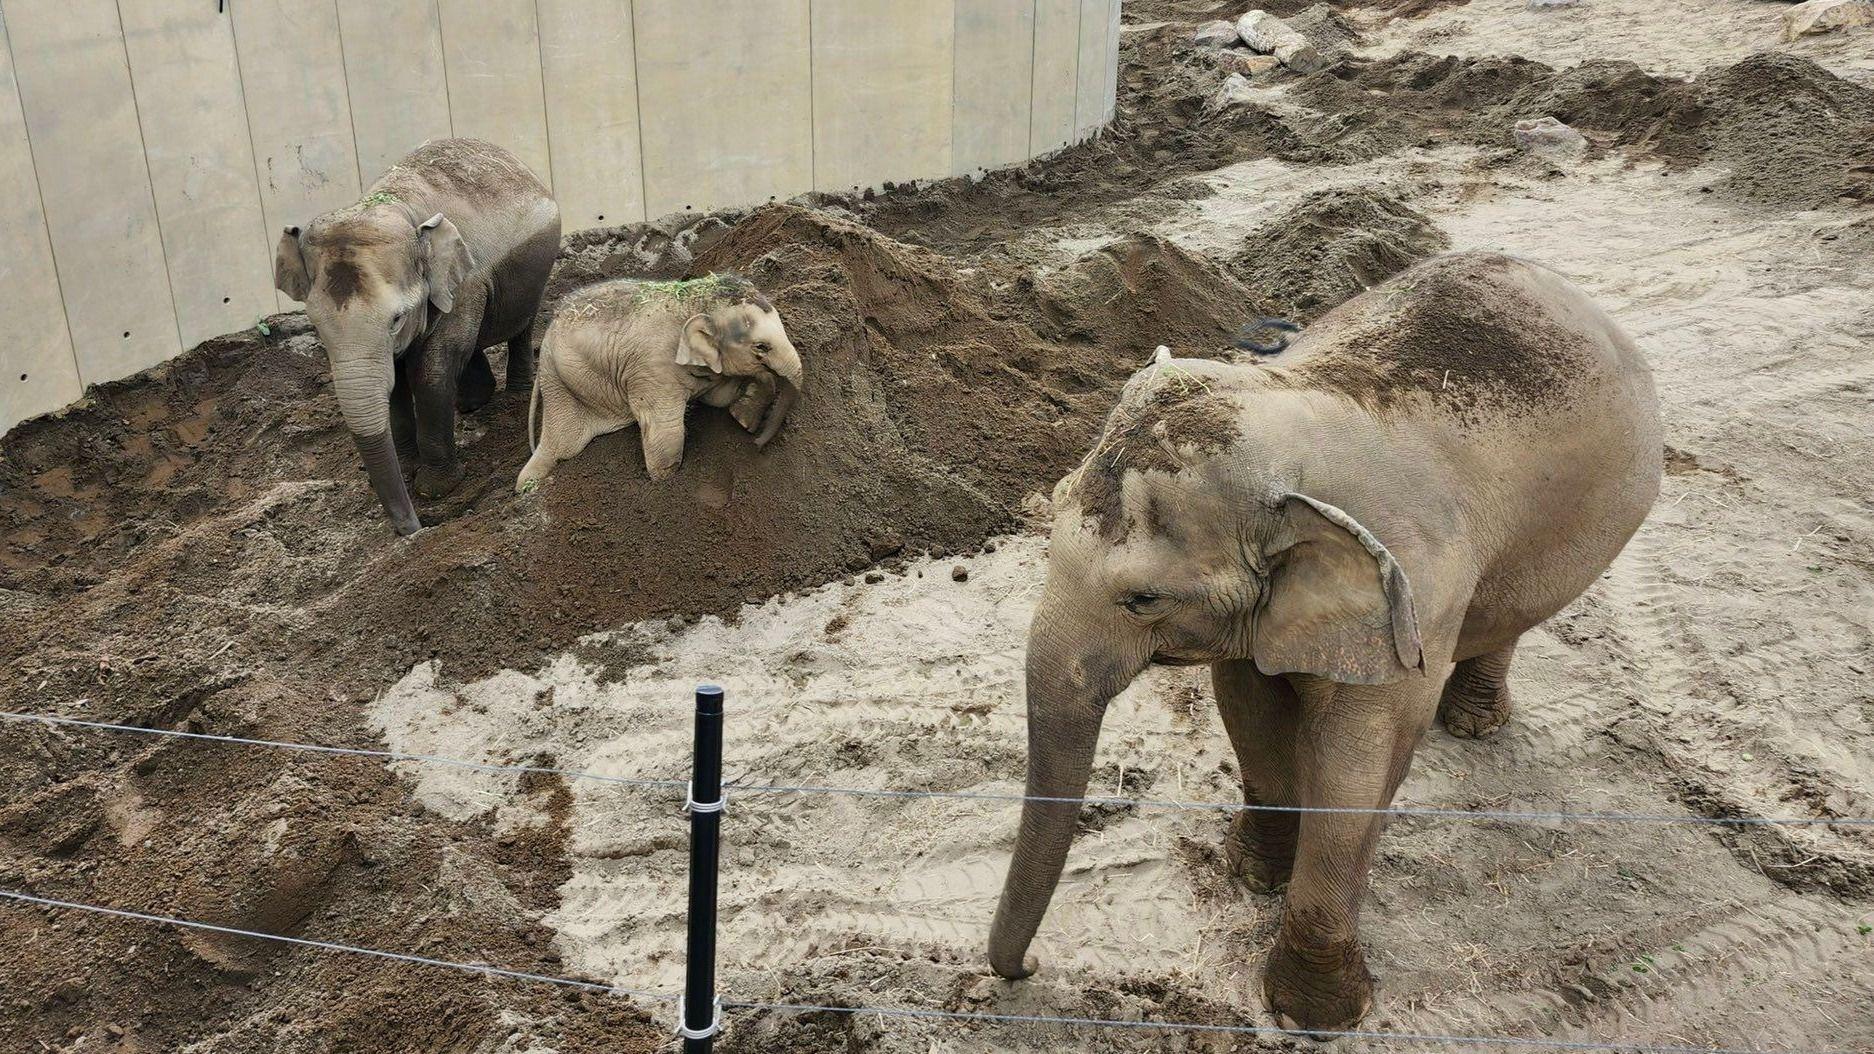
448 254
1353 535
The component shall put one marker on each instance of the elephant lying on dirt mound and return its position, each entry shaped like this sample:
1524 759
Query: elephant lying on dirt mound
626 351
448 254
1353 535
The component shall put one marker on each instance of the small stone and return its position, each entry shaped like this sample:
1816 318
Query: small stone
1218 34
874 577
1270 35
1248 63
1550 138
959 573
1826 16
1236 91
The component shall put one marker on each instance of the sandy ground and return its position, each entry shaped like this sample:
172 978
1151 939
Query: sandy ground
1720 668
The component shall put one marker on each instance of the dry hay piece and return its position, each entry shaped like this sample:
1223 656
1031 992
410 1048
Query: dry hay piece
1331 245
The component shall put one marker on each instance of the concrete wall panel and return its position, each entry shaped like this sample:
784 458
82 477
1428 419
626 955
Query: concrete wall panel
74 86
882 91
298 113
395 78
586 50
995 50
37 371
1090 68
491 50
1056 75
725 90
189 104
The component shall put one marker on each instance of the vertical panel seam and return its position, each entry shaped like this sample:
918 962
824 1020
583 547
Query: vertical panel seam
1034 35
45 219
253 149
448 90
1080 27
351 119
813 105
546 115
149 179
637 107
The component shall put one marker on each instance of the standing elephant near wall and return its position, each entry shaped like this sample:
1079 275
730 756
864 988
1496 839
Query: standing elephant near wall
631 351
447 255
1353 535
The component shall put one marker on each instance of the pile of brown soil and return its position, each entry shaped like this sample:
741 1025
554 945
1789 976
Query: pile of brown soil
1329 246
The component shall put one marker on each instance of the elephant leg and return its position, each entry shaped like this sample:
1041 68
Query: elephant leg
660 425
521 359
433 391
403 415
1476 700
566 427
1260 714
751 405
475 385
1356 744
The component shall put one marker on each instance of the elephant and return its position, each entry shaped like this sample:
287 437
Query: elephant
1353 535
625 351
447 254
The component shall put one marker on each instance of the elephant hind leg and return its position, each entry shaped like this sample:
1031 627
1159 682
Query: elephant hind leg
566 427
521 359
1476 700
476 386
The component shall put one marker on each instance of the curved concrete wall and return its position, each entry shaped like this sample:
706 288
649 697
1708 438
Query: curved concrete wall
151 150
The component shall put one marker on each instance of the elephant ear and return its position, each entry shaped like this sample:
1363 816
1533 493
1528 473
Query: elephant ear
289 266
697 346
1338 604
445 258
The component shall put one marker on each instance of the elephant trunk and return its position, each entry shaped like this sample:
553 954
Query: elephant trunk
362 383
787 376
1069 686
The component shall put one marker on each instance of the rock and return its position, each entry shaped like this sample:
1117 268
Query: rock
1218 34
1270 35
959 573
1554 3
1248 63
1550 138
1236 91
1826 16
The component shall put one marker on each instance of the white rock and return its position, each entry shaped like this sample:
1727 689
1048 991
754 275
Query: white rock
1550 138
1270 35
1218 34
1826 16
1236 91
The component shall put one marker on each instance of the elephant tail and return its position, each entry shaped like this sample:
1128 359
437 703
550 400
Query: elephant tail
533 397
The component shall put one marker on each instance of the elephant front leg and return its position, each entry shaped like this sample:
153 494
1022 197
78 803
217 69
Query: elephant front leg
1356 745
660 425
1476 699
1259 713
433 391
403 416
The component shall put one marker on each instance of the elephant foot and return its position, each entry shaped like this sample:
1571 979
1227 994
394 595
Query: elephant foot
438 481
1317 993
1470 710
1260 849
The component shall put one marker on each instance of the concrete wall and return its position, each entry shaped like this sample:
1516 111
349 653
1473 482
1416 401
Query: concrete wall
153 149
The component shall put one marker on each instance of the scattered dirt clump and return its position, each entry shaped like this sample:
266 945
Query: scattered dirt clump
1331 245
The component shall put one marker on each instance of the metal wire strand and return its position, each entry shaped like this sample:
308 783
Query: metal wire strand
1408 811
1253 1030
490 971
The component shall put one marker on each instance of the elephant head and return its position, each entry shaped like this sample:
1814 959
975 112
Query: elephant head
1206 525
744 337
369 277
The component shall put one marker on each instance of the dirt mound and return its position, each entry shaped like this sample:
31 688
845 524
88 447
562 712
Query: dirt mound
1331 245
1789 131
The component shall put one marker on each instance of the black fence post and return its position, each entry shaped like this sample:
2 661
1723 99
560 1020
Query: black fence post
700 1013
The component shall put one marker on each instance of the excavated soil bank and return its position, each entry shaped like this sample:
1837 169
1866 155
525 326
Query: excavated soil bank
1329 246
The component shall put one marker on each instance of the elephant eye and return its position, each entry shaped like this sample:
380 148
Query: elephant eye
761 347
1140 603
396 320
